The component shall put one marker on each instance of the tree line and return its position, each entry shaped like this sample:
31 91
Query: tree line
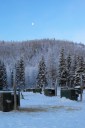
70 71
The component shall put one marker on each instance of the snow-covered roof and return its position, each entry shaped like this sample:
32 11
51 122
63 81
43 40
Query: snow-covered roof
78 87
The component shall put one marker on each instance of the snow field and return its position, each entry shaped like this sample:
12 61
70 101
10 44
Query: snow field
39 111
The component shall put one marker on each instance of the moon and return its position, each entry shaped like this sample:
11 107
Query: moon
33 23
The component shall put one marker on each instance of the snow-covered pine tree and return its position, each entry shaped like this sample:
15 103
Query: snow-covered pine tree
62 70
20 74
12 74
83 75
81 64
41 77
17 74
80 70
73 72
3 76
69 70
74 65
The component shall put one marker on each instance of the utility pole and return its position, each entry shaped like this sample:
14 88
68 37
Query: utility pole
14 86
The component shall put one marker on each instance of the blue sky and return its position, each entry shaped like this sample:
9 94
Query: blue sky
36 19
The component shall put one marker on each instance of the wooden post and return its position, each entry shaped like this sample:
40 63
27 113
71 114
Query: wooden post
15 100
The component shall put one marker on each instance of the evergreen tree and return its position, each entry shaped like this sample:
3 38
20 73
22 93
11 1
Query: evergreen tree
41 78
3 76
81 65
74 69
62 70
80 71
20 74
75 65
17 73
12 75
69 70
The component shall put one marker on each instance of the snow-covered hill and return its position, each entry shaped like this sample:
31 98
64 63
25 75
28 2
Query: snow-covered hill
32 52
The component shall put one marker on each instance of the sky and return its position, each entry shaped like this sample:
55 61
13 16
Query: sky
38 19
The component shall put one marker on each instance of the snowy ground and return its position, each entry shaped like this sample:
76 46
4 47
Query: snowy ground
39 111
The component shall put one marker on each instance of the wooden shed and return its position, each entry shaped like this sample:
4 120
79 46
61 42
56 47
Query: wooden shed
49 92
69 93
7 100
